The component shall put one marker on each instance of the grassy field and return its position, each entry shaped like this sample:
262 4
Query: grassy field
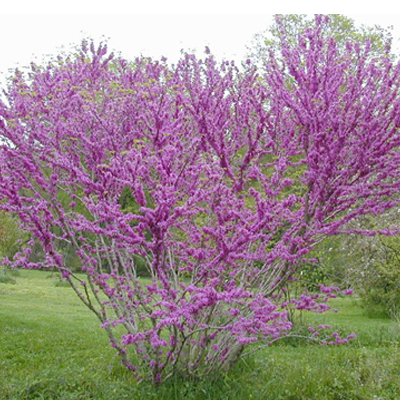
51 347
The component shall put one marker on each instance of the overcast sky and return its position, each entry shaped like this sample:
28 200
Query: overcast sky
132 31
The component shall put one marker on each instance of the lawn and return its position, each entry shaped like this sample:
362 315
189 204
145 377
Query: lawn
51 347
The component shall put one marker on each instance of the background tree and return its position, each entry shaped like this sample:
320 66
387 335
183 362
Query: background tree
11 235
371 265
238 177
12 239
341 28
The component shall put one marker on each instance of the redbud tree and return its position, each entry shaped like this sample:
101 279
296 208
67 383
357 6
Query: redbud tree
233 177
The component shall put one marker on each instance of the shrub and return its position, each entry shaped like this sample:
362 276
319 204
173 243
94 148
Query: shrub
234 178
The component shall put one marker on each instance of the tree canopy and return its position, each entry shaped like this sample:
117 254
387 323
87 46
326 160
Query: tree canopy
339 27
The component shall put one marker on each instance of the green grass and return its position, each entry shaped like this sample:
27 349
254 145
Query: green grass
51 347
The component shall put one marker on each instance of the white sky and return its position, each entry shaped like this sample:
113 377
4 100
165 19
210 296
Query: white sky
132 30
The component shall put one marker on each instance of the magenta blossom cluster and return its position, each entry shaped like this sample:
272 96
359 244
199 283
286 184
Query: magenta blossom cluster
229 178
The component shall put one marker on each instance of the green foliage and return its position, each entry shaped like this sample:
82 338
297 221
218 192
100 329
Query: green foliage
130 205
331 267
369 264
310 276
380 284
11 239
11 235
